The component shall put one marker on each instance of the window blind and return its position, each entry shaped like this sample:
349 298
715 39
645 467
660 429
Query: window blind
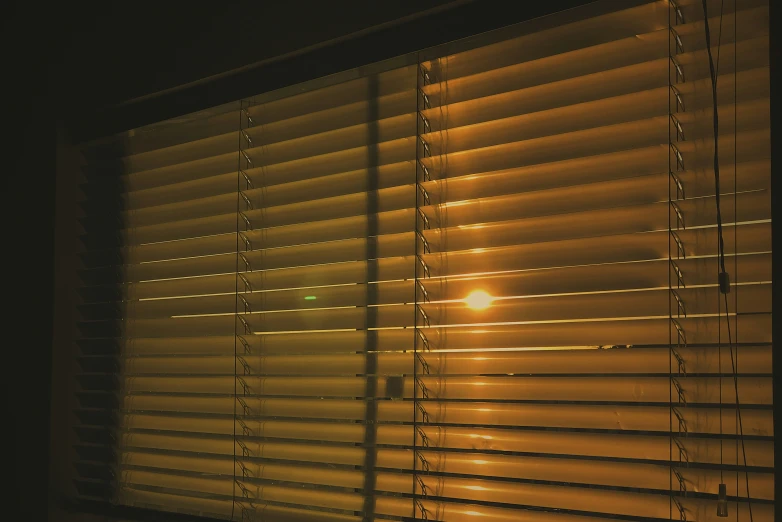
479 285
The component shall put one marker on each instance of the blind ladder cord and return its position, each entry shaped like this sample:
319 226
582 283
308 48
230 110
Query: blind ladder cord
724 278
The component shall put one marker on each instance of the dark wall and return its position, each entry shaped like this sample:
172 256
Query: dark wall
27 247
776 241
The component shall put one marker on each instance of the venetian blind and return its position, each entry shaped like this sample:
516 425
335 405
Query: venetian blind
479 285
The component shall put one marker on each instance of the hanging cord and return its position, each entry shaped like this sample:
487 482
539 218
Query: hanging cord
724 280
735 231
719 313
721 252
738 411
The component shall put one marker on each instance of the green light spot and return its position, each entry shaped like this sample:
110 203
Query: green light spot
310 298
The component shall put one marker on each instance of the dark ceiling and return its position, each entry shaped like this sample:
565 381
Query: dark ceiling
82 56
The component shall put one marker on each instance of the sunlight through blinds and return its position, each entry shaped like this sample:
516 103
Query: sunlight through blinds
483 284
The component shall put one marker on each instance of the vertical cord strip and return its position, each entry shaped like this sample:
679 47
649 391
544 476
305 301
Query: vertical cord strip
418 94
735 226
236 303
670 287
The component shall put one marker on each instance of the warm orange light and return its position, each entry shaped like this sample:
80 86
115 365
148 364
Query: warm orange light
478 300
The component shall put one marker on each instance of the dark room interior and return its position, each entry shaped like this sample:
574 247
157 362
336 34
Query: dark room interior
90 85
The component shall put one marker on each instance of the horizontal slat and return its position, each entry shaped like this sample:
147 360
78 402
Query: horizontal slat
326 252
592 278
601 445
293 311
754 328
471 249
581 89
463 234
455 512
589 500
321 121
489 254
562 147
331 192
647 160
279 188
224 486
461 78
754 360
594 123
366 135
754 116
749 206
705 420
634 189
385 200
453 139
616 88
147 411
488 155
219 506
570 471
547 176
697 182
270 195
641 304
305 103
201 125
296 231
391 151
601 277
705 390
226 184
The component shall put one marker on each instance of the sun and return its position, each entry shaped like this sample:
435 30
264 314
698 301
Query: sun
478 300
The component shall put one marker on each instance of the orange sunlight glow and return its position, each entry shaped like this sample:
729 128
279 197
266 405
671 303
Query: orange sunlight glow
478 300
